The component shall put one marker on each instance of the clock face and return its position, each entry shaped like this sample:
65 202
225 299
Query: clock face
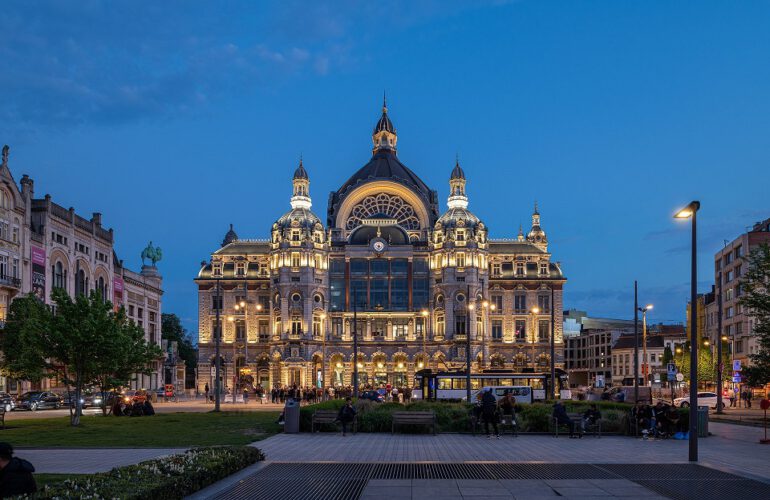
378 246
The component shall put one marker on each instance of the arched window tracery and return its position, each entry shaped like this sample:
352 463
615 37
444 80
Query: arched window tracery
392 206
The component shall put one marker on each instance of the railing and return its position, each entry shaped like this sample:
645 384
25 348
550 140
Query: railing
10 281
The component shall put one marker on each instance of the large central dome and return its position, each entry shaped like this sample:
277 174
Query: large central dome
384 166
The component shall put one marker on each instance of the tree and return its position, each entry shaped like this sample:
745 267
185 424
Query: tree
81 340
122 354
668 356
707 369
172 330
755 299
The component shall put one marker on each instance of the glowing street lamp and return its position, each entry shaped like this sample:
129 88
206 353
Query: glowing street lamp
690 212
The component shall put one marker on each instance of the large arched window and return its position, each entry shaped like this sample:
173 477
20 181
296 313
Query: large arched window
59 275
391 206
81 283
5 199
101 287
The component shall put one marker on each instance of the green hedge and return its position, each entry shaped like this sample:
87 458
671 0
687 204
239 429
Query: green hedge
455 417
166 478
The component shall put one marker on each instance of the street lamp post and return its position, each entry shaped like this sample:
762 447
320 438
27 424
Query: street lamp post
355 344
231 319
645 363
217 340
636 343
471 306
690 212
720 367
553 346
535 311
425 322
323 354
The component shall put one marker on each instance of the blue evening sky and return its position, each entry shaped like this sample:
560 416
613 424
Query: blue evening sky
175 119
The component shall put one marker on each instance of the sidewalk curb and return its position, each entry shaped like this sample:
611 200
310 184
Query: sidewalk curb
228 482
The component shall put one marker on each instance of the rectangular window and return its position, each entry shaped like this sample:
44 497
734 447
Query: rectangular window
738 346
399 294
140 312
295 259
521 330
379 267
240 269
296 326
440 326
738 328
337 328
130 310
419 328
358 294
359 267
460 235
728 312
317 327
15 268
263 304
420 293
460 259
398 267
337 293
543 269
520 303
240 329
544 303
497 329
216 269
295 235
264 330
420 266
378 294
519 269
337 266
497 302
460 327
544 331
496 269
379 328
399 329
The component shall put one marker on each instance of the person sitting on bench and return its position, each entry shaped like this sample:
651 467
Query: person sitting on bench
561 418
590 417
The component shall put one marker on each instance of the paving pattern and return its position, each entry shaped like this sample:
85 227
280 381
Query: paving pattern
367 481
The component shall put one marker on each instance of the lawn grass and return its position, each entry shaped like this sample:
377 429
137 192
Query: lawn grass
54 479
159 431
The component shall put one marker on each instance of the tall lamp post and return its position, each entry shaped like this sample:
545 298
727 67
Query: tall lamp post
355 343
690 212
217 341
553 346
636 343
645 364
471 307
323 354
535 311
425 322
244 306
720 337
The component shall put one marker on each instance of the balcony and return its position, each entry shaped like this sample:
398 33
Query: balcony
10 282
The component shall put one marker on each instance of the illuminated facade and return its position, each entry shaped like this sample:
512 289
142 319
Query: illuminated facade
417 281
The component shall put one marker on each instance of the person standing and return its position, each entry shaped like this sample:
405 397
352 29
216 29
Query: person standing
749 396
731 397
206 392
15 474
489 412
346 415
245 395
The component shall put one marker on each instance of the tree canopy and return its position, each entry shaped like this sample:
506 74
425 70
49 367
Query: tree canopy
755 299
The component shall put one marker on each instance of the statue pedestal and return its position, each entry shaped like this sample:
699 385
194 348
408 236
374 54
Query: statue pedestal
150 271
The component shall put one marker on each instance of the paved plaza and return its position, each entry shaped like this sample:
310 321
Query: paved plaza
369 466
89 460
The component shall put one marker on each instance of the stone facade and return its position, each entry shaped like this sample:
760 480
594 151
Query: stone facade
410 282
44 245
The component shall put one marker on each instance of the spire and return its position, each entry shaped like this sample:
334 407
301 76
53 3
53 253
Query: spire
457 197
384 135
5 155
535 217
230 236
520 237
536 235
301 192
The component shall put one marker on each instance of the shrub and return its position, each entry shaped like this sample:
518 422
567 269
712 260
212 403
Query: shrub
166 478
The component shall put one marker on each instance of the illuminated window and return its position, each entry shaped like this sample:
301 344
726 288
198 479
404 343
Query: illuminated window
295 260
460 259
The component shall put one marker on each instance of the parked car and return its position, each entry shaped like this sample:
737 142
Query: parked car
7 402
38 400
68 399
131 397
704 399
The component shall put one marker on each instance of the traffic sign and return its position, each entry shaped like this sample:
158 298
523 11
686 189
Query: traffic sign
671 368
736 365
679 377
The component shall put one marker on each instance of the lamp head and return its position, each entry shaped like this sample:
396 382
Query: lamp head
492 307
688 211
243 303
424 313
237 307
535 310
648 307
259 307
471 307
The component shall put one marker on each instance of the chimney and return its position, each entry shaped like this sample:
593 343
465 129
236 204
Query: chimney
97 219
27 187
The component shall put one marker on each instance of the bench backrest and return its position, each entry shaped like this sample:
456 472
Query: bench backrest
413 415
325 414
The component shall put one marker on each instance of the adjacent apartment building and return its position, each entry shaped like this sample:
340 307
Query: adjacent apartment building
45 246
729 267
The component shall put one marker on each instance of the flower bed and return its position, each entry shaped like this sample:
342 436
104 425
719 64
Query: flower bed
455 417
165 478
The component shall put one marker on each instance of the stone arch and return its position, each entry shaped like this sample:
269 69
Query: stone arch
375 188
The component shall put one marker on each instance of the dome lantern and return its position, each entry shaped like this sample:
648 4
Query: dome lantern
301 192
384 135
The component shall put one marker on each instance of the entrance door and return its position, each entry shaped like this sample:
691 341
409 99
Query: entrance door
295 376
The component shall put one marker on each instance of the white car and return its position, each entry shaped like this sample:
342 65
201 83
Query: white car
704 399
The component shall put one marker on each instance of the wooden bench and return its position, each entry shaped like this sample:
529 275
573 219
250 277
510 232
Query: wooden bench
577 420
413 418
506 421
2 416
328 417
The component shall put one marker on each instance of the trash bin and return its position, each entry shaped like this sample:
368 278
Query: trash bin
703 421
291 417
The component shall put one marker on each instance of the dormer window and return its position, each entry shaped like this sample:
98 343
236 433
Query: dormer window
543 269
240 269
496 269
460 235
295 235
519 269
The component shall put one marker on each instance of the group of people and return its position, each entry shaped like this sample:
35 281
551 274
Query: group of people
136 408
589 417
661 420
745 395
491 411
